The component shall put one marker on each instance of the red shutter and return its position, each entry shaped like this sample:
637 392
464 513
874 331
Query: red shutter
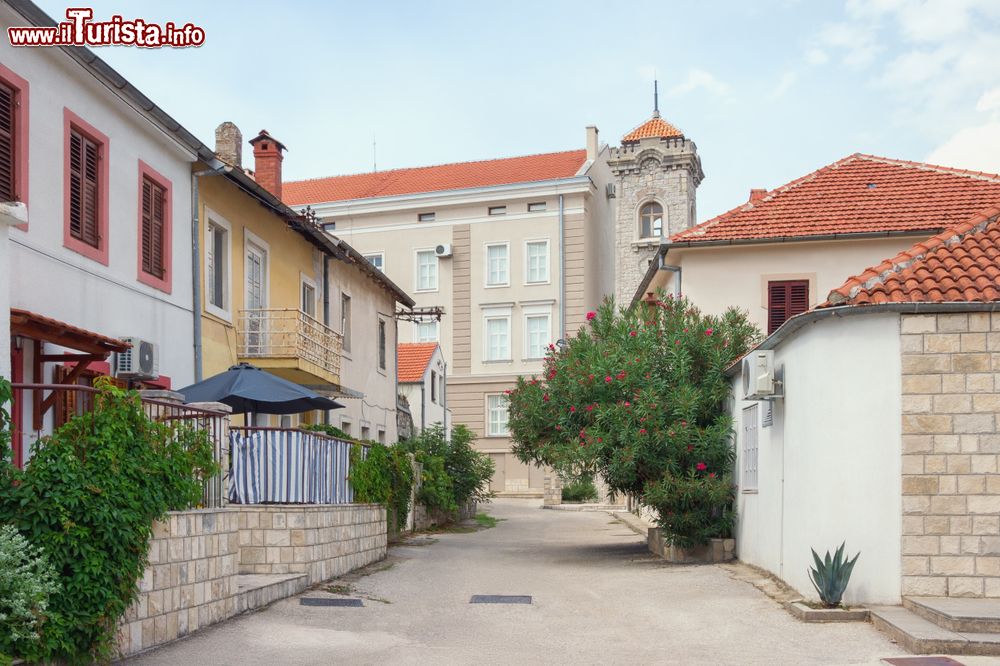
153 214
84 205
8 184
785 299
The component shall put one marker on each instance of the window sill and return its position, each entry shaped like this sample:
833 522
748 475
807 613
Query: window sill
536 284
497 361
162 284
496 286
749 491
425 291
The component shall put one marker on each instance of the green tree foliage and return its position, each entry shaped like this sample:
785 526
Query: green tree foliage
453 472
638 396
331 430
384 476
88 498
27 580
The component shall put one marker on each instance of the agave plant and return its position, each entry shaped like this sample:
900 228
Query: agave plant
831 574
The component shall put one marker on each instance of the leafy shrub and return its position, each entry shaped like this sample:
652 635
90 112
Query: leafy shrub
638 396
831 575
88 498
580 490
385 477
453 472
332 431
26 582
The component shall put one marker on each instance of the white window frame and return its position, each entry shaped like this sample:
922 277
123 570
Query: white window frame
490 432
750 424
416 271
346 324
225 312
548 261
416 331
306 280
381 258
534 312
250 238
495 211
486 264
539 206
496 314
381 354
346 425
429 216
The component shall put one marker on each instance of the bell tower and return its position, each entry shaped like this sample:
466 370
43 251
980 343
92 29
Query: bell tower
657 172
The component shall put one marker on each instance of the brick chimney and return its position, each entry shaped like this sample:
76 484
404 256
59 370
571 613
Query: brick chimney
757 194
229 144
267 159
592 145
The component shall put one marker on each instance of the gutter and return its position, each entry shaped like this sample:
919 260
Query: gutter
793 325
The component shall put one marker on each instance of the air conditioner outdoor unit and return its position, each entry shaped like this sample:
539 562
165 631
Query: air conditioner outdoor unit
443 250
609 191
759 377
142 361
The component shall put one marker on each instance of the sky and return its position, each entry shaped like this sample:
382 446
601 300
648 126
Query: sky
768 90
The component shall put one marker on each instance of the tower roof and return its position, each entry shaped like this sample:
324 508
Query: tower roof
655 127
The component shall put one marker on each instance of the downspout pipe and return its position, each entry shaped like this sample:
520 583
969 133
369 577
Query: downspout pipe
326 289
676 270
562 267
423 406
196 267
444 401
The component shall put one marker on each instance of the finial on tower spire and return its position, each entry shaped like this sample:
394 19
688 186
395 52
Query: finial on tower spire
656 99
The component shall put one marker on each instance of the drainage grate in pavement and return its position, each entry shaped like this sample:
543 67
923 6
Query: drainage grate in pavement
922 661
500 599
324 601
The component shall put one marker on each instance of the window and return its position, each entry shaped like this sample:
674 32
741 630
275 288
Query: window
13 136
496 415
377 260
345 320
425 217
785 299
86 182
345 425
427 331
217 268
536 336
498 338
381 436
434 398
497 264
365 433
497 210
536 207
381 344
155 227
427 270
537 262
750 448
309 298
651 220
255 269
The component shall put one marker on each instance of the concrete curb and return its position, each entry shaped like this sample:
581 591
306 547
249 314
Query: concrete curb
801 611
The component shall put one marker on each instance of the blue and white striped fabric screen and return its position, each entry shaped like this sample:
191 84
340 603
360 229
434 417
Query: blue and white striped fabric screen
288 466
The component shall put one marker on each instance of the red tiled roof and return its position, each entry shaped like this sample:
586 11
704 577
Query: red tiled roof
654 127
40 327
961 264
462 175
860 194
413 359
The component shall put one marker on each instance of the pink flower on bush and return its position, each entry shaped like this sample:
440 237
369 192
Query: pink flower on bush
628 404
690 447
572 409
642 431
711 475
590 408
632 334
608 380
701 467
591 315
600 440
708 331
621 375
590 377
677 342
545 397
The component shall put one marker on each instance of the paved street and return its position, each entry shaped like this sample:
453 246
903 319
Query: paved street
598 597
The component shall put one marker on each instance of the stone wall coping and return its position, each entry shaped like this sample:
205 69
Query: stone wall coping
304 507
196 512
211 406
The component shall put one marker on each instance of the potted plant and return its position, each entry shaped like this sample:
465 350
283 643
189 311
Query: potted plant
829 577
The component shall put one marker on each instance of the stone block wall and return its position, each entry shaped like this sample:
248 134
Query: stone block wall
323 541
190 581
552 492
950 484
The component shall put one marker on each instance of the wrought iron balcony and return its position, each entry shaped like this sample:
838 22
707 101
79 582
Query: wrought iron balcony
292 344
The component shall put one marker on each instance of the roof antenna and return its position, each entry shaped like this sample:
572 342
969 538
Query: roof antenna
374 161
656 99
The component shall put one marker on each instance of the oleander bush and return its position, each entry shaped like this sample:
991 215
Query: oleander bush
87 499
638 396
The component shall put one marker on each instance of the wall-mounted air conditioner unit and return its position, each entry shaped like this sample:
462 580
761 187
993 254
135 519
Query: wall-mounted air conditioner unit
443 250
609 191
142 361
761 381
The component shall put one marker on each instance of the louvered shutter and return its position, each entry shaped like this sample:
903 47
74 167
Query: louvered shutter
84 159
153 213
785 299
8 183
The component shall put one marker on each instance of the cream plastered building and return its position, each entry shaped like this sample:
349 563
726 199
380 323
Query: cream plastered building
515 251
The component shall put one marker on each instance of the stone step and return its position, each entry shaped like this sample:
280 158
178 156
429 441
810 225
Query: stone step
958 614
258 590
921 636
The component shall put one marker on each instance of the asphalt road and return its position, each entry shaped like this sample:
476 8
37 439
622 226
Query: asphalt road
597 597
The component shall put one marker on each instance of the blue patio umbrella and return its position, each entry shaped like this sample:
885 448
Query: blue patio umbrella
247 388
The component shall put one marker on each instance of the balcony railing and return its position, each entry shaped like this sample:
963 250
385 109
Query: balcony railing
289 333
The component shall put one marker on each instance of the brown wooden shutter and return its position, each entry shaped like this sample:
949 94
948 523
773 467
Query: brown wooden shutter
8 182
785 299
153 213
84 204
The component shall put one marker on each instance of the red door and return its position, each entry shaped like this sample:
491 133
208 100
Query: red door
16 407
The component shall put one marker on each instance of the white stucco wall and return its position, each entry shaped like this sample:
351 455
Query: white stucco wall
4 299
829 466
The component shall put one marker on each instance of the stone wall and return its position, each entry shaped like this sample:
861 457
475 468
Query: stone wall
552 493
190 581
323 541
950 485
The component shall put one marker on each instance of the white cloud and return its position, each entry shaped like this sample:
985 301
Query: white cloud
816 56
976 148
856 41
989 101
787 80
699 79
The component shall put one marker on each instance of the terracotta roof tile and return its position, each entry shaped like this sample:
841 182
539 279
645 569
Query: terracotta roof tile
654 127
413 358
961 264
860 194
462 175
